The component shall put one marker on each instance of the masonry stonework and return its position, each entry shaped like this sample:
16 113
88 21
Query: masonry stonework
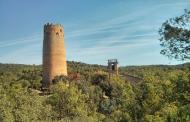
54 54
113 66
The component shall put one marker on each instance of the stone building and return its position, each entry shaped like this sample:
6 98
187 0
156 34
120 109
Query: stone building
54 54
113 66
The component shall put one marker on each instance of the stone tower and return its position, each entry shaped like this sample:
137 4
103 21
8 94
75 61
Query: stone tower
113 66
54 55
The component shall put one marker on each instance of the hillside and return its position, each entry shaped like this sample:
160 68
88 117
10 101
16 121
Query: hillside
83 67
161 94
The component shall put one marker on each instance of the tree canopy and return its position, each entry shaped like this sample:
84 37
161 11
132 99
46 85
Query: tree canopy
175 37
162 94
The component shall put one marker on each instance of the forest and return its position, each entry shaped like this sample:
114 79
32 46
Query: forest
87 94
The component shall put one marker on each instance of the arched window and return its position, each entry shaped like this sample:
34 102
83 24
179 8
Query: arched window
57 33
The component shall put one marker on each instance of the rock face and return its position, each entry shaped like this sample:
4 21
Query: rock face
54 54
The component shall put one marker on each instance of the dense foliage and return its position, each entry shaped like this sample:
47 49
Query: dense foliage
162 94
175 37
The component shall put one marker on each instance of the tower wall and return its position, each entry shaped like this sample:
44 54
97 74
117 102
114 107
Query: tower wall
54 54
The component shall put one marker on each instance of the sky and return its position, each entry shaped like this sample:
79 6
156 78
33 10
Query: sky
95 30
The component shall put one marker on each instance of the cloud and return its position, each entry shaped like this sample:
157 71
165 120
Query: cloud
117 45
21 41
26 55
23 50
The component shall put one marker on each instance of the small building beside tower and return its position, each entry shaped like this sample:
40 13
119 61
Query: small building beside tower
113 67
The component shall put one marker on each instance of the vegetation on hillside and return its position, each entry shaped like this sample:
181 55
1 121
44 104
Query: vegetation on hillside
163 94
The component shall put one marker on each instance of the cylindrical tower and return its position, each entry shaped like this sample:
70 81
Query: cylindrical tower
54 55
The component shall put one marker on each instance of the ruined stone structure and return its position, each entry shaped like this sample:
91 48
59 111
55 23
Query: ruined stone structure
113 67
54 55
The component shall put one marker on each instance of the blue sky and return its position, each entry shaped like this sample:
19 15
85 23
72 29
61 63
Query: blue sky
95 30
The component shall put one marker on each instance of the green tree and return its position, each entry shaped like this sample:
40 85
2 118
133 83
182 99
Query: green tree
18 105
181 90
175 37
68 101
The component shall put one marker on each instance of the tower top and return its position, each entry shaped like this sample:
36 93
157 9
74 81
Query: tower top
51 25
